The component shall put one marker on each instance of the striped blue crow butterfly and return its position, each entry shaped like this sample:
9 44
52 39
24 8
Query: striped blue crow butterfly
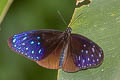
57 50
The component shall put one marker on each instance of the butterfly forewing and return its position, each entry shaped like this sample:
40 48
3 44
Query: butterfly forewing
86 54
38 45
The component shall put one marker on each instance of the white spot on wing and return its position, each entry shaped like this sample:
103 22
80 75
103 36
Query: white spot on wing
82 50
25 54
32 42
39 51
21 52
24 38
84 45
14 40
90 65
83 60
37 57
97 60
93 60
19 48
25 34
14 45
86 51
88 59
28 56
79 57
38 37
99 54
93 50
79 65
23 43
38 43
92 55
33 52
26 48
87 64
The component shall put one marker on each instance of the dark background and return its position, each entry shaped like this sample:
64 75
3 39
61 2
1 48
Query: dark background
26 15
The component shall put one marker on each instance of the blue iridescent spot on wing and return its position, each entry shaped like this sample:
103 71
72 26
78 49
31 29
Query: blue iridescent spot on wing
26 48
32 42
23 43
14 40
32 51
38 43
38 37
28 45
24 38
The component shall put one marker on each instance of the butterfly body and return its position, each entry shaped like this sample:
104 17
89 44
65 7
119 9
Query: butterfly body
55 49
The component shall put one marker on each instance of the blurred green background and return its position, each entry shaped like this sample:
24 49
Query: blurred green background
26 15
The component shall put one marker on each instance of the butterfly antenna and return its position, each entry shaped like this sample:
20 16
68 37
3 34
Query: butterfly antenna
72 22
61 16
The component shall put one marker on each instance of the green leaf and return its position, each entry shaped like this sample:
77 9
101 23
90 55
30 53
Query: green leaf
4 5
100 22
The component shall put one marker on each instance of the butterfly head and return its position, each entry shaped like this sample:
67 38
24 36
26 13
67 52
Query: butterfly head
67 33
68 30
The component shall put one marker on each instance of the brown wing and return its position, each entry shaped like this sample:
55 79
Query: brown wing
52 60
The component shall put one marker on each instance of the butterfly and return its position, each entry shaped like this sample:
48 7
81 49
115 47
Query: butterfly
58 50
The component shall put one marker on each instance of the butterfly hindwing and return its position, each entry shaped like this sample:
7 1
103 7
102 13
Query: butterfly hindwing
52 61
86 53
38 46
68 63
